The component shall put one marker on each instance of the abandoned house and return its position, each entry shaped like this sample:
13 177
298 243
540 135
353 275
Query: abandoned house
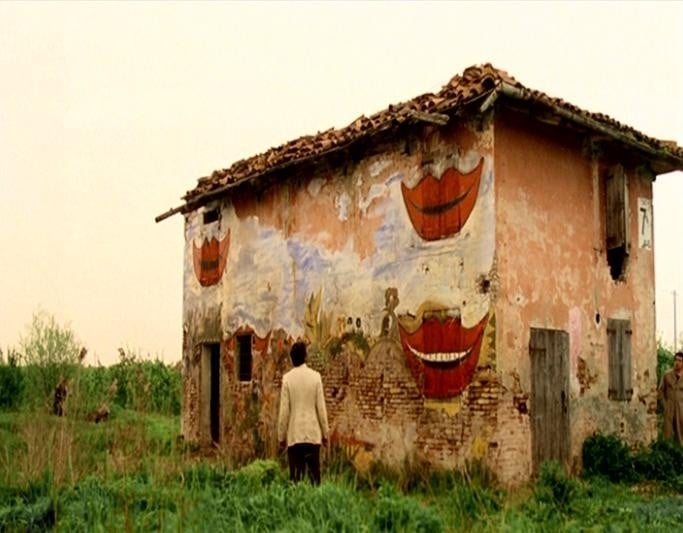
472 270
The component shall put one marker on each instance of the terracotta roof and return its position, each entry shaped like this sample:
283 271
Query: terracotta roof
474 84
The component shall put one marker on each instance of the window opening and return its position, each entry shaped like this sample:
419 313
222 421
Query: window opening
616 218
244 357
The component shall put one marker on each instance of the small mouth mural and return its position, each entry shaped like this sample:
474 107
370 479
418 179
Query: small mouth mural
209 259
441 354
439 208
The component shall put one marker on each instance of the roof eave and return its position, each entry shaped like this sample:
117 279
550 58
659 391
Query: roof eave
193 202
661 160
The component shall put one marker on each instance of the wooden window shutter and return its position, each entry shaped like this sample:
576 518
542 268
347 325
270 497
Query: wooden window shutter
616 208
619 357
626 367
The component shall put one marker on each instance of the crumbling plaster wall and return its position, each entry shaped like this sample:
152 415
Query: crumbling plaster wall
553 273
387 298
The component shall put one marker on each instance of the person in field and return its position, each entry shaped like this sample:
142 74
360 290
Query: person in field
671 394
302 420
61 391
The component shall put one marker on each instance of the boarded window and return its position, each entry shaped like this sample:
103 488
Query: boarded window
616 221
619 345
244 357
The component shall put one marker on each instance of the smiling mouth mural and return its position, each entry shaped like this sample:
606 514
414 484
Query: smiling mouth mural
439 208
441 353
209 259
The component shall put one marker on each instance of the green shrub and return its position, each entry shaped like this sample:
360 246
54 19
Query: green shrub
38 515
661 461
665 360
12 381
395 512
555 487
50 352
261 471
144 385
608 456
91 389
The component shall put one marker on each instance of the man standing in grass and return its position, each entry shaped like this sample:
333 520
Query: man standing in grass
671 393
302 422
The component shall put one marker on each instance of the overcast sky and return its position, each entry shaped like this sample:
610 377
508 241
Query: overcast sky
110 112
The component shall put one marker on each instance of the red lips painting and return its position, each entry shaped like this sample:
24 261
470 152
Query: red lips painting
442 354
209 259
439 208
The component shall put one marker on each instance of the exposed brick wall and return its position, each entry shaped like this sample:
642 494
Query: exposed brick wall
374 402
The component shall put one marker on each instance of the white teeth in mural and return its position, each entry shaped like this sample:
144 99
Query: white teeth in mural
440 357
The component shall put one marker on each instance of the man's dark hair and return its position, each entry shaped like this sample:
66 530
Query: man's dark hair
298 353
678 355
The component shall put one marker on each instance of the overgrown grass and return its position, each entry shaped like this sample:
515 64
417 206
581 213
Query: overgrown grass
130 474
141 385
609 457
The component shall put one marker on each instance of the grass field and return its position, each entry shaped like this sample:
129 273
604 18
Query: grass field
131 473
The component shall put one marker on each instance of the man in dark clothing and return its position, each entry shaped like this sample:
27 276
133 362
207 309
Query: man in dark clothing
671 394
61 391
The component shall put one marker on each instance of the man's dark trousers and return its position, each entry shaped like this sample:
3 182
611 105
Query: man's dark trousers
304 457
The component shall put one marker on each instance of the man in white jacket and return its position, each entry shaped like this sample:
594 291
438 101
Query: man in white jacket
302 422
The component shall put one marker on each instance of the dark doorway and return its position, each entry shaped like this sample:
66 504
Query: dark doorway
244 362
549 351
210 399
215 391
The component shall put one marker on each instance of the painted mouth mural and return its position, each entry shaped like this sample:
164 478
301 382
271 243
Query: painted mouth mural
442 354
209 259
439 208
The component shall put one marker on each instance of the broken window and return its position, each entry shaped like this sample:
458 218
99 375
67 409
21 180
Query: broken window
244 357
619 345
210 216
616 214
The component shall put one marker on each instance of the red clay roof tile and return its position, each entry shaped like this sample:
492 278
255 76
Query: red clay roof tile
475 82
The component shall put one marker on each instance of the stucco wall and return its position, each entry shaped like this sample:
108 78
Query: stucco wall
419 320
553 273
396 303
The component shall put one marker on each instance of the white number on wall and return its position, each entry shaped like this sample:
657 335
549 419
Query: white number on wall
645 223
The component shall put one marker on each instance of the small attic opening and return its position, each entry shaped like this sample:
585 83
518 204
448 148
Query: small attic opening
210 216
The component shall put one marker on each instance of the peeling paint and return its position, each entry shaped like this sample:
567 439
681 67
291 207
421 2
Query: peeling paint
552 266
419 323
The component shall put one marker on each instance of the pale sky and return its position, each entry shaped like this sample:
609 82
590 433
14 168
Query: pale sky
110 112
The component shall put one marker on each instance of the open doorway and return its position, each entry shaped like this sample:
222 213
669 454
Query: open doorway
211 392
